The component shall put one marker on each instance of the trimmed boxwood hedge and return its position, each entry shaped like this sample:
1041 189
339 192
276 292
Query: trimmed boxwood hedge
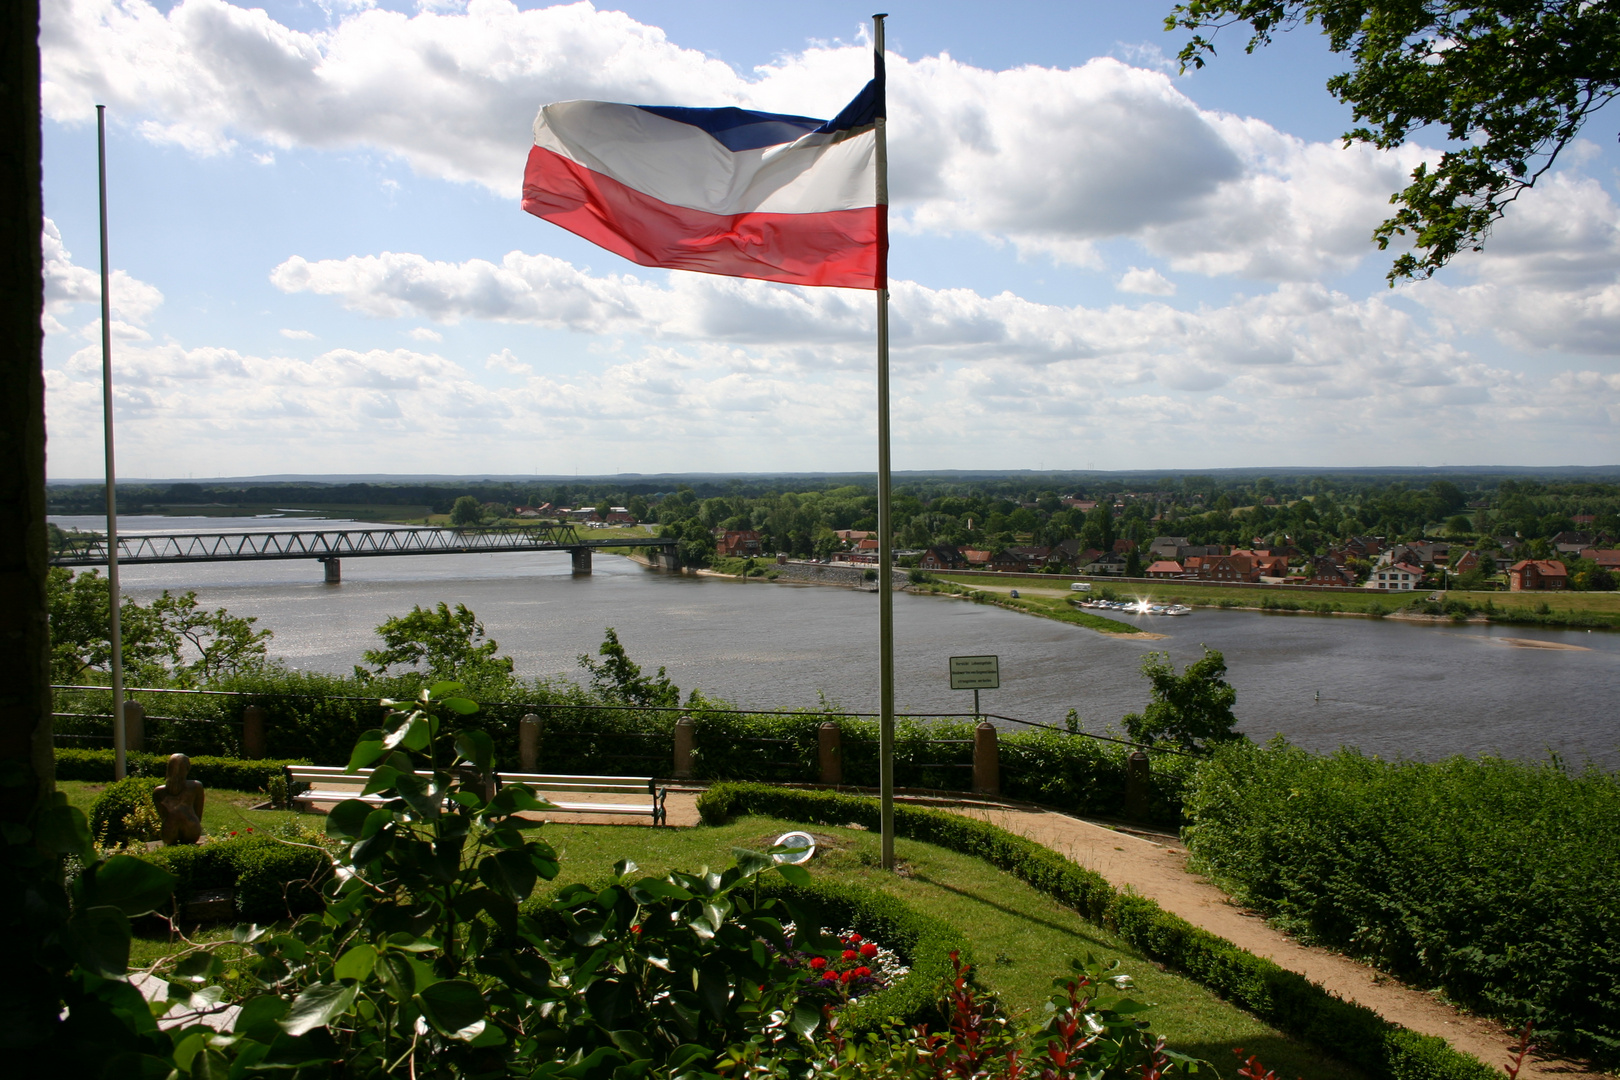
1280 997
273 879
234 774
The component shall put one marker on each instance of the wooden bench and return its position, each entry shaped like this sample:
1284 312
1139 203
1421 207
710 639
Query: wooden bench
627 787
331 783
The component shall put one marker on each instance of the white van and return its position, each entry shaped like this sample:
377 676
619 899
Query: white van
1080 586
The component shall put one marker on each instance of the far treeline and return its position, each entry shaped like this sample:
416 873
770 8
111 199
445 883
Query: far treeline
800 516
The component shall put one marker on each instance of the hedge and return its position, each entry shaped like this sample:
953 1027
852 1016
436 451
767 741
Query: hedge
1497 881
231 774
317 718
1286 1000
273 879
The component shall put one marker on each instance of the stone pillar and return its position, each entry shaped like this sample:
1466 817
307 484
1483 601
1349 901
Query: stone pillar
253 718
334 570
529 741
685 729
134 727
1137 772
582 559
986 760
830 752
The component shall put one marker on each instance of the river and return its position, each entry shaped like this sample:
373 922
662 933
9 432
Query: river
1391 688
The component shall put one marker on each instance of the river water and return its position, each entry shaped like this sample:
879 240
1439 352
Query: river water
1392 689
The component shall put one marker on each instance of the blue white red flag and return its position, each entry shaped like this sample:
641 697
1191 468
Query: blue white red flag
722 191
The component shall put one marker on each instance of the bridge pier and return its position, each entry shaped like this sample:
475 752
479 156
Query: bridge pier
582 559
334 570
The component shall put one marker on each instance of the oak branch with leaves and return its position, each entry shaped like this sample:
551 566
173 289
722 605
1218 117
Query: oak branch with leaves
1508 83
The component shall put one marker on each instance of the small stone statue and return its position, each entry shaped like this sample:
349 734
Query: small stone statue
179 803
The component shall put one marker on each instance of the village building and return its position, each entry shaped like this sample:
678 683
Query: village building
1324 571
1228 568
1538 575
1607 558
1167 547
1163 568
942 557
740 543
1395 576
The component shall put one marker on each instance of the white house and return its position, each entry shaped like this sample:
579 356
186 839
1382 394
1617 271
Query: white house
1395 576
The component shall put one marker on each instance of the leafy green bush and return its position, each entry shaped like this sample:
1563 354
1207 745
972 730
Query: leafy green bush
1286 1000
1492 879
114 816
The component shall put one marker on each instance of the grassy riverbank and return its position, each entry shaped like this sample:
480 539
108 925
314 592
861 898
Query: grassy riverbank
1575 610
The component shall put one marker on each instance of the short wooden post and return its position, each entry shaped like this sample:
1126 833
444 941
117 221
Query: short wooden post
253 718
685 731
830 752
529 741
1137 776
986 760
134 727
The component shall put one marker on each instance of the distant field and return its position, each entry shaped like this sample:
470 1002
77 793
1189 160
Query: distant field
386 514
1574 605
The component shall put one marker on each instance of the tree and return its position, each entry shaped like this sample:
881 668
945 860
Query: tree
172 638
1510 82
1133 563
619 678
441 644
1192 709
466 511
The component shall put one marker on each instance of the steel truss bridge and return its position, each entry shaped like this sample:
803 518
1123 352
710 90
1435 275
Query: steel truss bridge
328 546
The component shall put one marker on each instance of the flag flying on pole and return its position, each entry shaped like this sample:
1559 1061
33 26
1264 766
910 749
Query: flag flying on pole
722 191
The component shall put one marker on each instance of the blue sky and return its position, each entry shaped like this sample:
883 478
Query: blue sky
1098 263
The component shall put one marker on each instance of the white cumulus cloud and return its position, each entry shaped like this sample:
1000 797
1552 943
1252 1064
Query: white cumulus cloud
1148 281
1050 159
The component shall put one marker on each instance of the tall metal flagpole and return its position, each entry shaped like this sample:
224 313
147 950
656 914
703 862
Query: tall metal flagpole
115 632
885 528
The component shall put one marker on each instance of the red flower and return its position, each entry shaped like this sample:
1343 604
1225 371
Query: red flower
869 950
250 830
818 962
233 834
862 972
849 954
846 976
855 939
636 929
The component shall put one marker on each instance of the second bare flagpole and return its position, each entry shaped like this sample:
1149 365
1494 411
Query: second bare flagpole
885 526
114 632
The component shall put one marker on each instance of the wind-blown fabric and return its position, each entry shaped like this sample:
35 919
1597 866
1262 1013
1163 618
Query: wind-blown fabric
721 191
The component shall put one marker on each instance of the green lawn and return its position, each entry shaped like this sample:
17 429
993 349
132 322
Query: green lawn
1021 940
